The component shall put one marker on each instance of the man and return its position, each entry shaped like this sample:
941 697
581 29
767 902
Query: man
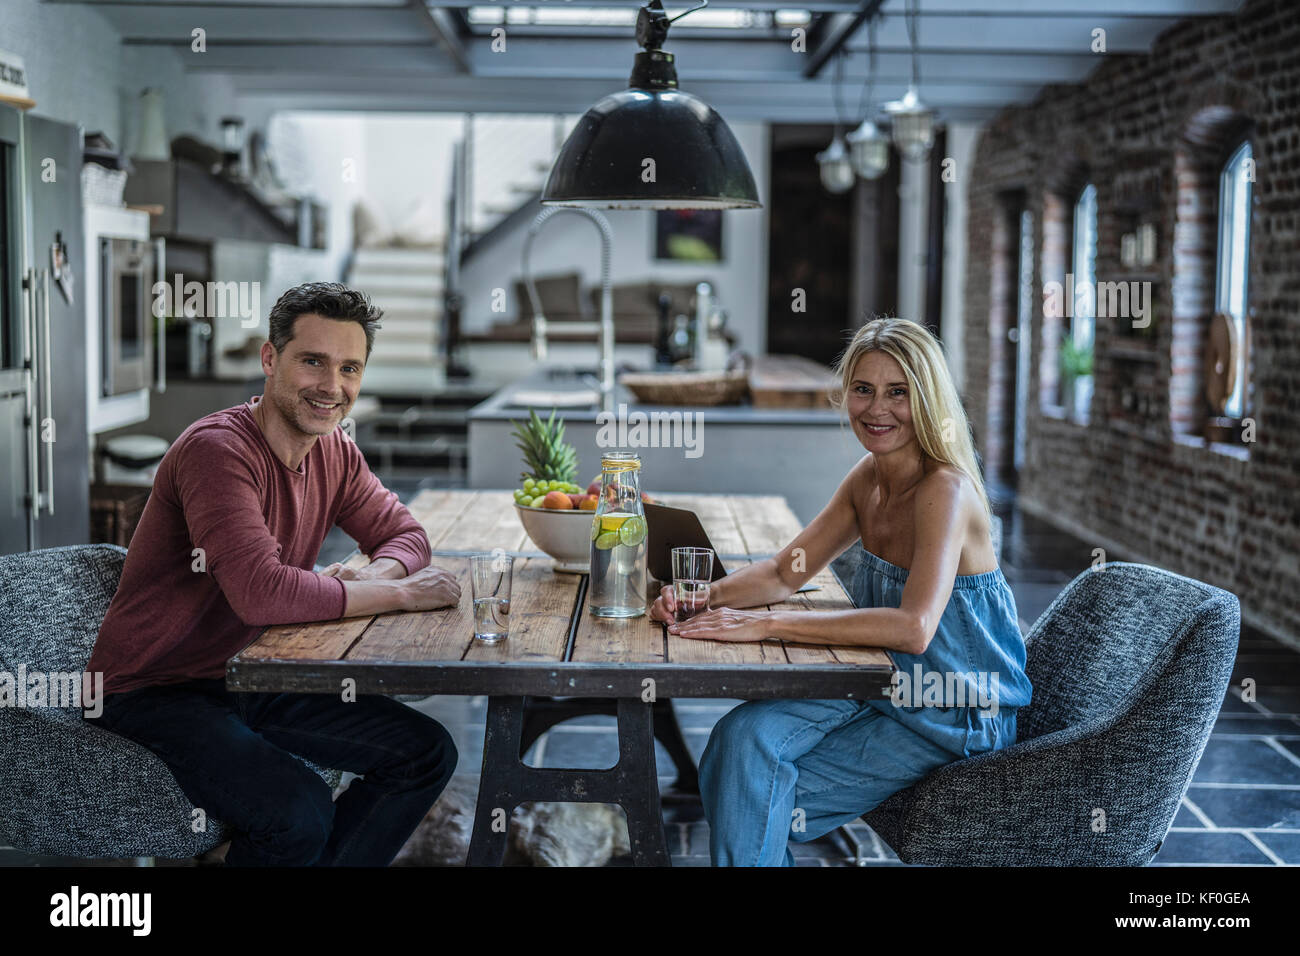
225 547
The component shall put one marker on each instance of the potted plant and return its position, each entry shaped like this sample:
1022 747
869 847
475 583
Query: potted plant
1076 373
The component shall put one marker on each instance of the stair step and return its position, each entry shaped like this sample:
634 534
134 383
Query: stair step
399 260
382 282
412 304
411 358
435 445
417 415
410 318
425 332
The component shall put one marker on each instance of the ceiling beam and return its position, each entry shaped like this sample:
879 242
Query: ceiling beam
443 29
838 34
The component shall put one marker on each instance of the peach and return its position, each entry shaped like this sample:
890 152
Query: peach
557 500
589 502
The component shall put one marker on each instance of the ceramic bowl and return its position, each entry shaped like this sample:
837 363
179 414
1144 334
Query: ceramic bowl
562 533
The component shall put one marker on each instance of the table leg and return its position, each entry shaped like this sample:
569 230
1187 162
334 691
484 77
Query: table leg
506 782
543 713
499 781
638 783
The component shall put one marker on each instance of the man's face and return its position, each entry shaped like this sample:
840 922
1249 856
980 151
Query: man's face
315 380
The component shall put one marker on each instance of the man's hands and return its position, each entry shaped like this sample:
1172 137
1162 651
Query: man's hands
429 588
382 568
384 585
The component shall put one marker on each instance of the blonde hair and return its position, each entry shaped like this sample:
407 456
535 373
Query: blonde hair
931 394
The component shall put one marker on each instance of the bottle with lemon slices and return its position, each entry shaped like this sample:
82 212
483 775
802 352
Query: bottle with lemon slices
618 540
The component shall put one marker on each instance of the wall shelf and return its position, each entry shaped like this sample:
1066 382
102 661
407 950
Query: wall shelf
1132 352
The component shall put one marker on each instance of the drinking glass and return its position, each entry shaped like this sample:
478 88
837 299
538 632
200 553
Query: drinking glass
692 572
491 575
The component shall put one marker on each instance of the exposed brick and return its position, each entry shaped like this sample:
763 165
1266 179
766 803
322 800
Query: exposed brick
1151 132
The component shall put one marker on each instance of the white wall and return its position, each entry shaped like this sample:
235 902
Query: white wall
78 71
324 156
408 164
571 243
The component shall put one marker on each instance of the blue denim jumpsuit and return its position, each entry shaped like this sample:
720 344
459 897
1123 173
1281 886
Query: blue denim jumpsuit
779 770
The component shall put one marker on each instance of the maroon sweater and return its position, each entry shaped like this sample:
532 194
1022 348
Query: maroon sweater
178 616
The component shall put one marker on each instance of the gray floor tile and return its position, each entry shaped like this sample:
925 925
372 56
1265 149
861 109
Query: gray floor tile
1285 845
1255 809
1228 760
1209 848
1243 724
1185 817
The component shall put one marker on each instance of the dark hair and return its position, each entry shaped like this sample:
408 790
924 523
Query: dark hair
331 300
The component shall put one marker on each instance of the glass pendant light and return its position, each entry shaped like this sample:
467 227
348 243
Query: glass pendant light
697 162
834 163
869 150
913 125
868 146
836 169
913 121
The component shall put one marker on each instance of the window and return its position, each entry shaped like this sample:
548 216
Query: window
1230 288
1024 321
1084 266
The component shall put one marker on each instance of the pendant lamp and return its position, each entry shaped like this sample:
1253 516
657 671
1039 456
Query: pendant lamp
653 145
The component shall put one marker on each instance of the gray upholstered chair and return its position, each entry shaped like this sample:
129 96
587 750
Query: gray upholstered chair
68 788
1130 665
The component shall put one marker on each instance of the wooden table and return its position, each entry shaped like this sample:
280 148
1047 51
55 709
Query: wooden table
555 649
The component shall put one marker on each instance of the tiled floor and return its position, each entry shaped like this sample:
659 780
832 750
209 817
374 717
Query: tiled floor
1242 808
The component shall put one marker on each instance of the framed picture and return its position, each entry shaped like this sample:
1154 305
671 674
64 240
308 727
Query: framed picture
688 235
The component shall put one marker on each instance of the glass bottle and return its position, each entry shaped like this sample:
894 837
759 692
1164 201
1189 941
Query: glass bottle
618 540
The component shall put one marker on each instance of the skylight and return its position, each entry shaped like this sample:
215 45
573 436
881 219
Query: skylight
578 16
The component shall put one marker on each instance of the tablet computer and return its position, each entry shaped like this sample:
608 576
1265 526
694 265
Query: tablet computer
670 528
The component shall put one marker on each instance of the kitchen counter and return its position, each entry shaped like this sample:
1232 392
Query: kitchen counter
801 453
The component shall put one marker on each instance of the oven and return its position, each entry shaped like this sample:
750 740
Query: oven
126 270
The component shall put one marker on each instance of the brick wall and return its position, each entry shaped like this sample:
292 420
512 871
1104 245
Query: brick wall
1149 132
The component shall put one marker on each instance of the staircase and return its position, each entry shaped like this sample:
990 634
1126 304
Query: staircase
408 285
416 442
417 435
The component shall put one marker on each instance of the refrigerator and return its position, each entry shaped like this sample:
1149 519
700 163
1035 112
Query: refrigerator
44 446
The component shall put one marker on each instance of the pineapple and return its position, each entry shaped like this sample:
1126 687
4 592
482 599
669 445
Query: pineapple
547 456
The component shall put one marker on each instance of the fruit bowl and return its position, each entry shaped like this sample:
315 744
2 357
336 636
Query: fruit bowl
564 534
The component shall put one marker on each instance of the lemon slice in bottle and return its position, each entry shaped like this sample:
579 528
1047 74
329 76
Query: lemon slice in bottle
607 540
632 531
614 521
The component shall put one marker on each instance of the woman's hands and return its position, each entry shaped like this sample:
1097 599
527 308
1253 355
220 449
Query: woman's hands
717 624
725 624
665 606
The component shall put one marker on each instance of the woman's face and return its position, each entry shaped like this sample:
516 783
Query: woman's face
879 405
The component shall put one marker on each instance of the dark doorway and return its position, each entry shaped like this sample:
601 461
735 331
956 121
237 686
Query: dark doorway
809 248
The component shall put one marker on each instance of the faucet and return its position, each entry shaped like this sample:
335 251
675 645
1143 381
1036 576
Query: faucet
605 327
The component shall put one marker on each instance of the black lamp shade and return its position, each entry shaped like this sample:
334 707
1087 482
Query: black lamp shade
697 162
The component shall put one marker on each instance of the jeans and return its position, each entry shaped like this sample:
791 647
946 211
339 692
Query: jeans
779 770
233 756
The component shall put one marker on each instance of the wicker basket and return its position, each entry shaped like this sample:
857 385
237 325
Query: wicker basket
688 388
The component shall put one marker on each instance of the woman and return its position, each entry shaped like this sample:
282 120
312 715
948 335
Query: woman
927 587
